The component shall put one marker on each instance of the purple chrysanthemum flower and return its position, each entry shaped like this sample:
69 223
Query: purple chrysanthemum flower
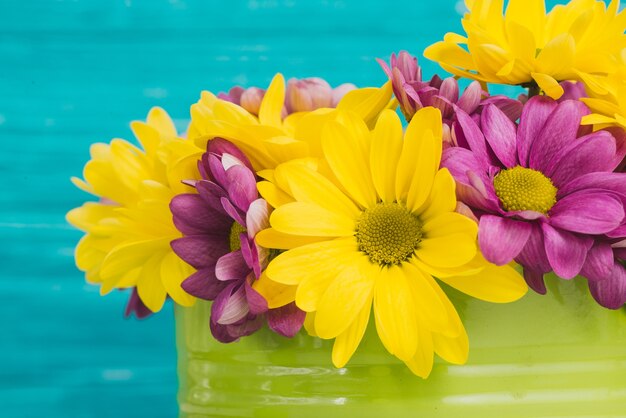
413 94
218 226
542 192
301 95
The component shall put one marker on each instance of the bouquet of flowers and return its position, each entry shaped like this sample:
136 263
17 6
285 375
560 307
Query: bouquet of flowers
308 206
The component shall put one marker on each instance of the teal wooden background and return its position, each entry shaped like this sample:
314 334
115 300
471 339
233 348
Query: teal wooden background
76 72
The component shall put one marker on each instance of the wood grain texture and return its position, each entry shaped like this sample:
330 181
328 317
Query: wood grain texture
76 72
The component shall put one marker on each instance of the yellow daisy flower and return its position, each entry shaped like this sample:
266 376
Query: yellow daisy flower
128 232
581 40
368 226
270 138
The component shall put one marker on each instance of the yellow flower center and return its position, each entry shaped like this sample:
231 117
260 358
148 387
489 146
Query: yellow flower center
388 233
235 242
521 188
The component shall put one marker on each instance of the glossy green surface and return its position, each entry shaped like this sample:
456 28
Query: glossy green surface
558 355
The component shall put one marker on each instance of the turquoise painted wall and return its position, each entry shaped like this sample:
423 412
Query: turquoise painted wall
76 72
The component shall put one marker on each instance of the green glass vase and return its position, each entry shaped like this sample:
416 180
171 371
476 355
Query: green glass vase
558 355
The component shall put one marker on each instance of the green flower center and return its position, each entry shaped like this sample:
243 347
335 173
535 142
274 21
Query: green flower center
521 188
235 242
388 233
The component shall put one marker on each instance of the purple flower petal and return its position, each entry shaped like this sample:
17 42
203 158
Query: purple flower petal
500 134
566 251
221 333
444 105
558 132
203 284
203 169
469 131
529 215
502 239
610 292
231 266
620 141
588 212
599 262
230 305
469 100
192 215
237 215
449 89
232 332
241 186
217 171
591 153
572 90
220 146
615 182
250 254
201 250
286 320
533 256
475 199
212 194
257 217
256 302
136 306
510 107
618 232
532 121
461 160
534 279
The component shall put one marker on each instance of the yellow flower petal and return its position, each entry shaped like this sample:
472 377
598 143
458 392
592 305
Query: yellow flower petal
308 186
548 84
89 214
529 14
494 284
427 301
346 343
173 272
300 218
270 112
450 223
344 300
309 324
442 197
422 362
395 313
347 153
452 349
149 286
447 251
161 121
386 150
294 266
284 148
272 194
276 294
129 255
421 154
367 102
271 238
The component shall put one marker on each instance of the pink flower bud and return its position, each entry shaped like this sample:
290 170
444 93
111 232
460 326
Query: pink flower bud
251 99
307 94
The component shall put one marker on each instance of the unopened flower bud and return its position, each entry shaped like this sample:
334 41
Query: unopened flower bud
251 99
308 94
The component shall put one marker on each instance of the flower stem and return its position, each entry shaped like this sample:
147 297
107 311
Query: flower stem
533 90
